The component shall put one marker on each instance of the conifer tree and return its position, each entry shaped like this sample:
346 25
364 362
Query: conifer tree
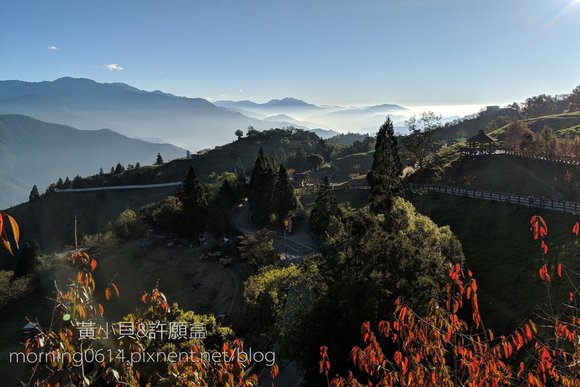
192 195
138 165
60 183
261 188
119 168
385 175
159 160
67 183
112 169
101 172
34 195
284 200
325 206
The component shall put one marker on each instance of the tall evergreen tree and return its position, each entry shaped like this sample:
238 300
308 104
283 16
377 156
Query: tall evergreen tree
325 206
67 183
385 174
192 195
138 165
119 168
34 195
261 188
159 159
283 197
101 172
60 183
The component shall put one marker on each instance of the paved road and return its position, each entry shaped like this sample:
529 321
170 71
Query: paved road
119 187
293 247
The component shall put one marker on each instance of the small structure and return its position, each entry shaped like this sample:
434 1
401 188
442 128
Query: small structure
481 144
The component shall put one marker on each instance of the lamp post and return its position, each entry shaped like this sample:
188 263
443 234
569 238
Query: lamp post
286 222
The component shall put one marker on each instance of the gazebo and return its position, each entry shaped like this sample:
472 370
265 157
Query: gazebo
481 143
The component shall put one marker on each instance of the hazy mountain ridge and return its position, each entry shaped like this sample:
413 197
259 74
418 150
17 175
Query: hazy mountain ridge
192 123
37 152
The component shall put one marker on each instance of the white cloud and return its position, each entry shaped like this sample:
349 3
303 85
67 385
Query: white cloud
52 48
114 67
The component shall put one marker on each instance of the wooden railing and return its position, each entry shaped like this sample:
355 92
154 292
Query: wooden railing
522 200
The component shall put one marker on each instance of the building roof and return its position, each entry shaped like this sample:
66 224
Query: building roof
482 137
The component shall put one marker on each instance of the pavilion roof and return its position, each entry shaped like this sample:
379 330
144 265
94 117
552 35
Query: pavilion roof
482 137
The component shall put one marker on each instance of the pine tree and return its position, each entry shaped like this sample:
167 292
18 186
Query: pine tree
284 200
34 195
325 206
112 169
385 175
119 168
67 183
60 183
159 160
101 171
192 195
261 188
138 165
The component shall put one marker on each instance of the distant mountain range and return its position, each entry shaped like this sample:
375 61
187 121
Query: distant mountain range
191 123
36 152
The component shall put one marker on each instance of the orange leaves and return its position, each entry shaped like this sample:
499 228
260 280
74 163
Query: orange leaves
576 229
538 227
15 233
544 248
398 357
108 294
101 309
366 331
559 270
274 371
528 333
544 275
324 364
93 264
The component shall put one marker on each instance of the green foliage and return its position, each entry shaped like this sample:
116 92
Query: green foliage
258 248
34 195
323 209
385 174
281 297
119 168
366 263
127 225
261 188
159 159
193 197
421 140
166 215
220 208
283 199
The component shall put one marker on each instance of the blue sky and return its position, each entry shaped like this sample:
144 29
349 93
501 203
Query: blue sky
412 52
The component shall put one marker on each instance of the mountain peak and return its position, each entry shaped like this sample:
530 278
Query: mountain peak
288 101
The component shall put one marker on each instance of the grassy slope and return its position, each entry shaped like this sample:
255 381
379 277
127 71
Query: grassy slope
499 250
501 253
503 174
564 125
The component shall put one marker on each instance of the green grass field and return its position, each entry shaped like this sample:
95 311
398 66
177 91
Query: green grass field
502 173
502 254
500 251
